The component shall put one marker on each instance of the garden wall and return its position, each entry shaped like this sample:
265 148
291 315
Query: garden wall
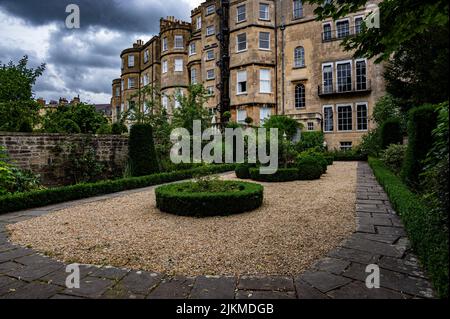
52 155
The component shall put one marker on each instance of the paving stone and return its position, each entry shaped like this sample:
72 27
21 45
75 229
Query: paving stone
13 254
34 291
214 288
370 202
6 247
365 229
138 283
110 273
388 239
120 294
391 231
9 266
358 290
306 291
260 294
394 280
374 221
332 265
370 208
11 286
90 287
373 247
35 267
408 265
354 255
175 288
5 280
61 296
324 281
59 276
278 283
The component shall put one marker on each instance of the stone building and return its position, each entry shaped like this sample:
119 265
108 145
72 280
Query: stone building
259 58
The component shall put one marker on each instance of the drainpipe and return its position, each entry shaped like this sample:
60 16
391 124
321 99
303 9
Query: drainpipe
276 57
283 67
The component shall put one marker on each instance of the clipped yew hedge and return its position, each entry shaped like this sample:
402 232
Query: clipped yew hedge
40 198
174 199
282 175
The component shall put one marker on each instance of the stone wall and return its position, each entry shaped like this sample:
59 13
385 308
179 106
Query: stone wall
48 154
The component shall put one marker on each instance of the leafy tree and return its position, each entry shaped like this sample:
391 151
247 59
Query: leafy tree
16 81
18 116
284 124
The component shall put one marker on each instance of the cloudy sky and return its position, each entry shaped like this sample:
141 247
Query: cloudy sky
80 61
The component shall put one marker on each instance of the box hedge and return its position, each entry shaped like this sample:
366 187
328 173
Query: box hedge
428 237
141 151
171 199
391 133
243 170
40 198
282 175
308 168
421 123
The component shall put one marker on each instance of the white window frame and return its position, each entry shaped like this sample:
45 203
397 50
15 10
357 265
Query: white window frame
238 14
165 102
337 31
194 76
336 73
146 79
337 116
192 48
267 12
213 73
210 10
239 119
131 61
207 58
199 23
146 56
354 22
210 90
178 65
130 80
165 44
366 104
356 74
294 17
122 85
178 94
267 81
324 119
309 128
209 32
267 111
238 92
176 43
330 24
332 76
297 65
237 42
259 41
117 92
165 66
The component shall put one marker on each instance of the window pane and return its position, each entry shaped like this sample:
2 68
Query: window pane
242 82
264 40
327 79
299 57
344 77
361 75
179 42
345 118
242 42
362 117
328 118
241 13
300 100
343 29
264 11
298 9
327 32
265 81
358 25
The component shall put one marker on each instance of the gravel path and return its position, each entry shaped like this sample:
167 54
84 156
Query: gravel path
298 224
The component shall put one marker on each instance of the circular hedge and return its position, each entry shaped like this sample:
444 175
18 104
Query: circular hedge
309 168
282 175
186 200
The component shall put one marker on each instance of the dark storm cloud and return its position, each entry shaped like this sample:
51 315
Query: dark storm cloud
124 15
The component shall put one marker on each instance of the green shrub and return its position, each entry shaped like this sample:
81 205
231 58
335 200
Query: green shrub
221 198
394 156
391 133
319 157
141 150
282 175
105 129
347 156
118 128
285 125
243 170
308 168
370 143
422 122
311 140
40 198
69 126
329 159
423 225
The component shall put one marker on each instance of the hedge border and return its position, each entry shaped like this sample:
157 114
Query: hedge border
40 198
282 175
204 204
428 239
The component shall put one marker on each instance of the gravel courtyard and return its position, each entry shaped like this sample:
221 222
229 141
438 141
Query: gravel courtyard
297 225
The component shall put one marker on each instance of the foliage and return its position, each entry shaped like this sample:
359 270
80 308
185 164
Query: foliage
248 120
105 129
141 150
400 22
393 157
18 116
350 155
422 122
13 180
311 140
370 143
282 175
81 165
285 125
243 170
16 81
318 156
192 108
391 133
227 198
308 168
387 107
424 226
40 198
118 128
74 118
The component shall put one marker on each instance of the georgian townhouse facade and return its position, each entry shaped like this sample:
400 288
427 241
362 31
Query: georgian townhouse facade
259 58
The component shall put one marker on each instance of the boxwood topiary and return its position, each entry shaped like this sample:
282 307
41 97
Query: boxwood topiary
243 170
183 199
319 157
308 168
141 150
329 159
282 175
391 133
